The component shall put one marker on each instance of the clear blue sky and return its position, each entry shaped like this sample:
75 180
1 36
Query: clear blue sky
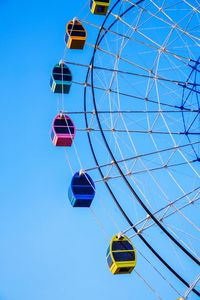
48 250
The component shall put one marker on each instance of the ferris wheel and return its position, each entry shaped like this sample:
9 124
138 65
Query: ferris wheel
139 122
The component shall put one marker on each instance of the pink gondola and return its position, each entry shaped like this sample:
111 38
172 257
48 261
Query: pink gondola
63 131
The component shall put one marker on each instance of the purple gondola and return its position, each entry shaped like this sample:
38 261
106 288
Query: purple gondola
63 131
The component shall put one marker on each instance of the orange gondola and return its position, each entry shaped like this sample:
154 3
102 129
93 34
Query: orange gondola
76 35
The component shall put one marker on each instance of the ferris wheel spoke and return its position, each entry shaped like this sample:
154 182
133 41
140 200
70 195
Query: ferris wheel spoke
165 214
185 84
133 173
143 155
135 131
125 112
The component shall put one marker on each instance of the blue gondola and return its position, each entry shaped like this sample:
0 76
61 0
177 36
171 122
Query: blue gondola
81 190
61 79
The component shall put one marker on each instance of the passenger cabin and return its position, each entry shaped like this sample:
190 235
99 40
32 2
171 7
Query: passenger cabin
63 131
61 79
99 7
81 190
121 255
76 35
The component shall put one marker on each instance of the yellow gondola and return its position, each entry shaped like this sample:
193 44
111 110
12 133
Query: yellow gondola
99 7
76 35
121 255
